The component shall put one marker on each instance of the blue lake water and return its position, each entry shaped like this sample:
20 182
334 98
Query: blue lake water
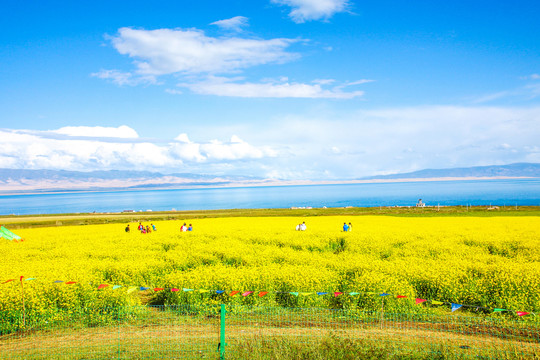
477 192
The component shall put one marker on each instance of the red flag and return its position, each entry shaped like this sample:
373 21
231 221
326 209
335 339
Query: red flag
102 286
22 277
158 289
234 293
262 293
70 282
419 301
401 296
175 289
336 294
247 293
5 282
521 313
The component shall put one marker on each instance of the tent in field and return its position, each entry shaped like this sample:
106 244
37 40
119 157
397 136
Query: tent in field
6 234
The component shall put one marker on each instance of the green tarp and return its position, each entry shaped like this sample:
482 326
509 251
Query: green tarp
6 234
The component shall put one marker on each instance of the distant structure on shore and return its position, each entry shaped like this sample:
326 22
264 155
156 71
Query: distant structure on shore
420 203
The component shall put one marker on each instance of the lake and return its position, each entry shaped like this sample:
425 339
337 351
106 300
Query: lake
509 192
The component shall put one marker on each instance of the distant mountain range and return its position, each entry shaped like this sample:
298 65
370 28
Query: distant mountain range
18 180
510 170
25 181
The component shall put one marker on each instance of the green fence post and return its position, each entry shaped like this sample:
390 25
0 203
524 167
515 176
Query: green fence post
222 343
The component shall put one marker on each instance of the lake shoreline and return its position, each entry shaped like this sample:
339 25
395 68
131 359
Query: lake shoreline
18 190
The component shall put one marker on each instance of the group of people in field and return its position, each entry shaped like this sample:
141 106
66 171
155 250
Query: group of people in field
303 227
143 229
186 228
149 228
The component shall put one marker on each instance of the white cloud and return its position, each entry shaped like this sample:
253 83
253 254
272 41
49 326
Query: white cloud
320 145
234 24
235 149
168 51
367 142
124 78
531 77
306 10
201 62
101 148
98 131
221 86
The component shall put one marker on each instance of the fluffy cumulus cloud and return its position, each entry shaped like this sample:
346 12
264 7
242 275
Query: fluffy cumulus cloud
343 144
103 148
306 10
168 51
205 64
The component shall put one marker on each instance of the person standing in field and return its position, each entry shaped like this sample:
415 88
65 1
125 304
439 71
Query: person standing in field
350 227
153 227
303 226
345 227
190 228
127 228
183 227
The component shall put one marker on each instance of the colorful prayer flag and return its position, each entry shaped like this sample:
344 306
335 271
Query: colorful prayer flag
247 293
175 289
401 296
293 293
455 307
353 293
522 313
131 289
102 286
187 289
435 302
70 282
234 293
5 282
116 287
499 310
322 293
336 294
419 301
262 293
142 288
158 289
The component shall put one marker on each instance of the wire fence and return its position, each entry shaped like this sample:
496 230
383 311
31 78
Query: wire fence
240 332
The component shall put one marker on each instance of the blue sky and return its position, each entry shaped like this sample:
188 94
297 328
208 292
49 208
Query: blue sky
289 89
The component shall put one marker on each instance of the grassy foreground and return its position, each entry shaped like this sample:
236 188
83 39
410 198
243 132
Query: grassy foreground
162 333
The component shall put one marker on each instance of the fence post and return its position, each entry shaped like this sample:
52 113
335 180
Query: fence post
222 343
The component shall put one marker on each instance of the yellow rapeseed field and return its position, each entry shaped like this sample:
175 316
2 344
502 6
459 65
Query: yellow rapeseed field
491 262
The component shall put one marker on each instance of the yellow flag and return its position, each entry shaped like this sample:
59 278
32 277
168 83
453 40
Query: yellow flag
131 289
435 302
204 291
306 293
